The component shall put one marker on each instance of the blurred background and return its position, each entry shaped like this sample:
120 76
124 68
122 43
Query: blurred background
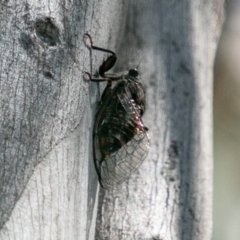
226 203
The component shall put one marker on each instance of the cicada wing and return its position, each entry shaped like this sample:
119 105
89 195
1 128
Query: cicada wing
121 164
121 142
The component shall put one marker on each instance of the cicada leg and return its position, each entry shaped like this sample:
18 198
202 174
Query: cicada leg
108 63
96 79
107 89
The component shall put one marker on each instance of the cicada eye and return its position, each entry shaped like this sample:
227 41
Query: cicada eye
133 72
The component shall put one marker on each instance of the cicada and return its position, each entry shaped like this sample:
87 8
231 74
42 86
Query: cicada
120 139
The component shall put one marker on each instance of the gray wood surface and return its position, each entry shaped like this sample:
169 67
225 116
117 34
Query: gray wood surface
48 184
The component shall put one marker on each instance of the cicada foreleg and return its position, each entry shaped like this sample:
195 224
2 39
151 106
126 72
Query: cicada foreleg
108 63
107 78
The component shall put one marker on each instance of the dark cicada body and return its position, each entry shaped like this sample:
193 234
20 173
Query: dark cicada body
120 140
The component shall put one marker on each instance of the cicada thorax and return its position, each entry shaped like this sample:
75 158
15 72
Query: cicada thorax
138 93
122 117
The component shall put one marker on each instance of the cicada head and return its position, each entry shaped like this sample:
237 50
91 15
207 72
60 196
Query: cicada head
133 73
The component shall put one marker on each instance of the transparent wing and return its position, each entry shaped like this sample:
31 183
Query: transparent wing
121 164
